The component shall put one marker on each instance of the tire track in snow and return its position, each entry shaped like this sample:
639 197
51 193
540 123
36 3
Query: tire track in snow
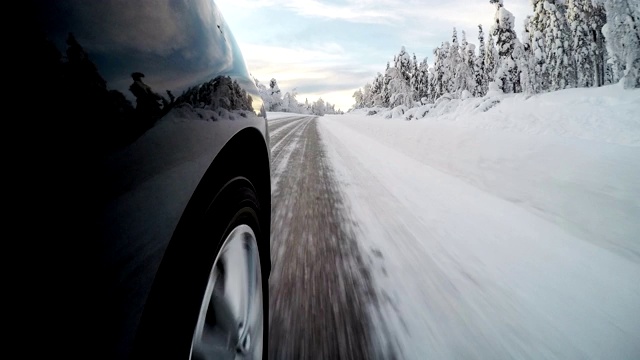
319 286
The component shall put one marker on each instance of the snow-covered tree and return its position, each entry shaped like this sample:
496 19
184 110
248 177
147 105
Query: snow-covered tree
275 96
287 104
431 85
597 20
528 62
330 108
506 41
536 26
376 90
578 16
437 85
296 106
414 81
491 60
451 64
367 98
318 107
359 99
386 91
479 71
421 88
464 74
559 60
403 64
401 92
622 33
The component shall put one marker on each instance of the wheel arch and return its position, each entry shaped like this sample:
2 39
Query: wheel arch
244 161
247 155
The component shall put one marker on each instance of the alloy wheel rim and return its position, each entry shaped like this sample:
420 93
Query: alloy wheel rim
230 322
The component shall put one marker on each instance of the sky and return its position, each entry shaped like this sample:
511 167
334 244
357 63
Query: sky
331 48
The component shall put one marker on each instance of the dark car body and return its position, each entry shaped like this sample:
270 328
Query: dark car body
141 112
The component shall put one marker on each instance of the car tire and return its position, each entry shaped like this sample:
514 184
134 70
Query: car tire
200 307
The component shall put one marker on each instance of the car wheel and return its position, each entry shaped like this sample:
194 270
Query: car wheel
207 301
230 322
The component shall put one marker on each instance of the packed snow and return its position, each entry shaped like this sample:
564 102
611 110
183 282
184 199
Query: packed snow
499 227
274 115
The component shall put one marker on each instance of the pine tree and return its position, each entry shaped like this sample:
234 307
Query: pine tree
597 20
452 62
403 64
367 98
506 41
422 82
414 82
376 90
401 92
536 29
471 60
386 90
275 95
528 62
520 58
559 60
292 102
431 86
490 61
358 97
437 83
286 103
578 13
463 44
318 108
622 33
465 79
480 74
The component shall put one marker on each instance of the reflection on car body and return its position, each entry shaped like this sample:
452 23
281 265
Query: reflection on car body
155 148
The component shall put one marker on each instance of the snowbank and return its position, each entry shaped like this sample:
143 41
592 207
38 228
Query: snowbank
606 114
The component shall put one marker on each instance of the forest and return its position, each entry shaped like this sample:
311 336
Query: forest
564 44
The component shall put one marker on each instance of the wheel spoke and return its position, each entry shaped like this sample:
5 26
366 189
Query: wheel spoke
255 317
212 345
236 279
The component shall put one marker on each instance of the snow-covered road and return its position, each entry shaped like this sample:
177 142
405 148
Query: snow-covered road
463 273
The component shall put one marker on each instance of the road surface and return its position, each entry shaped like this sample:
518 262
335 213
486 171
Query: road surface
319 286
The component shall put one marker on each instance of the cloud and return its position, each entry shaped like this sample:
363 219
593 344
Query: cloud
453 12
314 62
359 12
313 70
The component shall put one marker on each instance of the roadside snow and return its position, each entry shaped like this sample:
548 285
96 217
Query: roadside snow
605 114
510 233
